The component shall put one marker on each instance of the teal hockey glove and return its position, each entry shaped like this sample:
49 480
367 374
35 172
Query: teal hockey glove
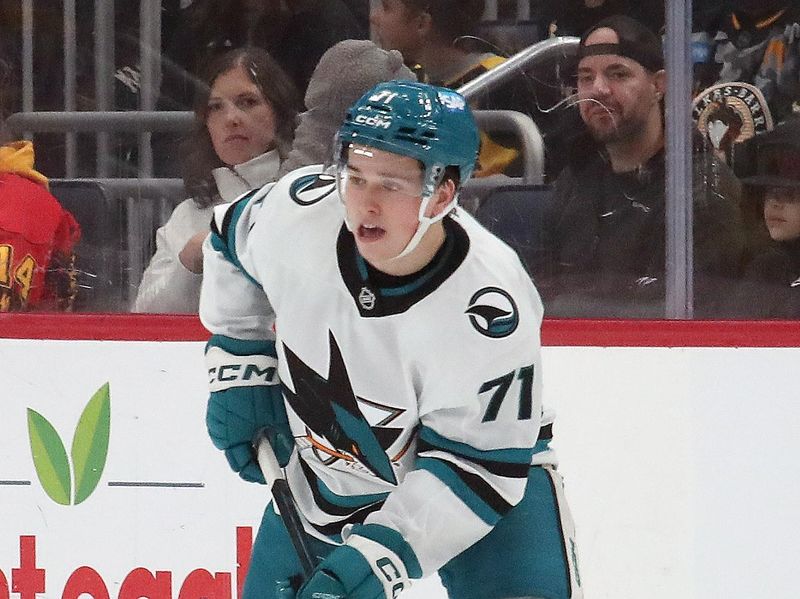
245 397
374 563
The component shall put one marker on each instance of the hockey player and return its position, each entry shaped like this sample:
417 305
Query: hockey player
407 345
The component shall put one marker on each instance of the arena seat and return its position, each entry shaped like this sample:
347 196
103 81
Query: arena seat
118 218
516 214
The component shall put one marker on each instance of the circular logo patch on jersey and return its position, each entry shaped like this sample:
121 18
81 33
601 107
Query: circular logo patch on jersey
493 313
310 189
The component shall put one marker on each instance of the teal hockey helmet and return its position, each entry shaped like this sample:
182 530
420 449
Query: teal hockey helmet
433 125
429 123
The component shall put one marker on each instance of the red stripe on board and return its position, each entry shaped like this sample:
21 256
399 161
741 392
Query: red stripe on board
107 327
671 333
555 332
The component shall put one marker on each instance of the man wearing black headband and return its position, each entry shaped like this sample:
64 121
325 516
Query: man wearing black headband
608 226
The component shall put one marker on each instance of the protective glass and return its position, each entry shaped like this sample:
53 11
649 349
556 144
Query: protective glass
362 170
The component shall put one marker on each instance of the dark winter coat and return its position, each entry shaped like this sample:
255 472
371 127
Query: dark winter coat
771 285
607 240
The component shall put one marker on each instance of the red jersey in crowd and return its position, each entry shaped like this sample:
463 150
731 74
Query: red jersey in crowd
37 238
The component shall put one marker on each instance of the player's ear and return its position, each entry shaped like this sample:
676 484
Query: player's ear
442 197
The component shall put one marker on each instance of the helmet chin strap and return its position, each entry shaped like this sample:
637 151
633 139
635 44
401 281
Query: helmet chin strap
433 179
425 223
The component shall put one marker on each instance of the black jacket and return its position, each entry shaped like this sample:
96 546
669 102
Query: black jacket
607 239
771 285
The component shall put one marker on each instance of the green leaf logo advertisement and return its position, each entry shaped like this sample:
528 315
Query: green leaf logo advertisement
71 483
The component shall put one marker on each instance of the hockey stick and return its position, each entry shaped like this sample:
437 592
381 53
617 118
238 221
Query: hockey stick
282 495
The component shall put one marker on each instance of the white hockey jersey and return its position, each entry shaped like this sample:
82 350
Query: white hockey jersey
415 402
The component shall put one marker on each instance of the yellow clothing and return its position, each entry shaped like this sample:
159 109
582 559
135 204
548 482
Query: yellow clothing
17 158
493 158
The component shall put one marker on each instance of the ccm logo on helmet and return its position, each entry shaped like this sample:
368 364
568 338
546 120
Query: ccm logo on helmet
373 121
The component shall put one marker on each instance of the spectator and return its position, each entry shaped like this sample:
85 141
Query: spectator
759 43
607 230
294 32
37 237
428 34
771 286
243 130
344 73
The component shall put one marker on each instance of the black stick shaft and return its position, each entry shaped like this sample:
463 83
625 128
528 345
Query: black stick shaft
282 495
291 519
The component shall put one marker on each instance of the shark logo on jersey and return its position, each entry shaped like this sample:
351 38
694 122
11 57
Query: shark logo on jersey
493 312
310 189
330 409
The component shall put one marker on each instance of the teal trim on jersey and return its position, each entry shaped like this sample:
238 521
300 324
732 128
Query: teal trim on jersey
227 246
242 347
460 489
525 555
541 445
409 287
390 538
361 264
219 245
508 456
349 501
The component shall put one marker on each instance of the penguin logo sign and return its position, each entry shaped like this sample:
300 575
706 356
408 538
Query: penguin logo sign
493 313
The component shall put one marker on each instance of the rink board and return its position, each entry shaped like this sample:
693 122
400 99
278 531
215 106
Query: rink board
680 465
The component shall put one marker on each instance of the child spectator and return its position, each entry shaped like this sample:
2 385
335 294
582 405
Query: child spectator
771 287
244 128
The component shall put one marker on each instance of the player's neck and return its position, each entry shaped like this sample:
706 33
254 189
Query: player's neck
419 257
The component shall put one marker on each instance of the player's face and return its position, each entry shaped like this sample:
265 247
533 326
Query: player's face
396 27
617 96
382 196
240 121
782 213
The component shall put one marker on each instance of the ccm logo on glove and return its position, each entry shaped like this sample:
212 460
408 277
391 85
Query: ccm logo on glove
392 575
387 566
226 370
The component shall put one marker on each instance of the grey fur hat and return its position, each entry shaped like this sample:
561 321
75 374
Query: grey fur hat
343 74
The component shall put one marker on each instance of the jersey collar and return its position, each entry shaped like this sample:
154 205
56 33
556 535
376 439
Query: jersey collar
377 294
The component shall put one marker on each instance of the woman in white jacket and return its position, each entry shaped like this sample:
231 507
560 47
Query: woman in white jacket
245 122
